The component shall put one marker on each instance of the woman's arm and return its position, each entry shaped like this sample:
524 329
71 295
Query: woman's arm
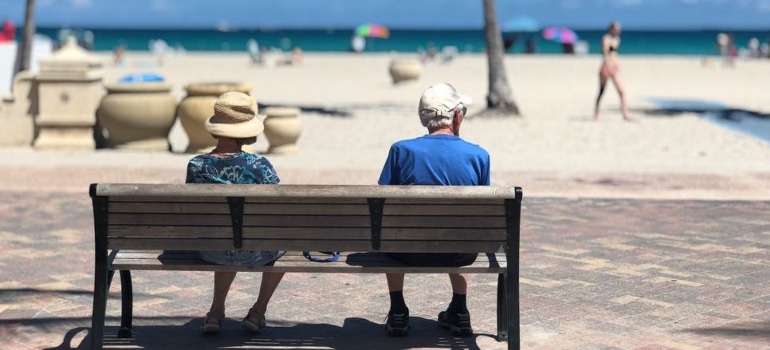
605 46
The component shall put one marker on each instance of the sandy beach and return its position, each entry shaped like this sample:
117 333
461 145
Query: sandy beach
352 113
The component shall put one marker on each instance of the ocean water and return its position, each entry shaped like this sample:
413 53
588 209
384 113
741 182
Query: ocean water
338 40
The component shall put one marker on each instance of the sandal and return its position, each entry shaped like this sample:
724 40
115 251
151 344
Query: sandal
254 321
213 322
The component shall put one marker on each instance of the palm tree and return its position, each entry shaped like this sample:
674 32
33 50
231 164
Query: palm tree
25 51
500 98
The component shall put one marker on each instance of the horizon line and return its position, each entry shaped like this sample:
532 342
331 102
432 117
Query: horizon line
346 28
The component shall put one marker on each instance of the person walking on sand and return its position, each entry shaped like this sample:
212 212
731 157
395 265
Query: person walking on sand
235 124
610 69
439 158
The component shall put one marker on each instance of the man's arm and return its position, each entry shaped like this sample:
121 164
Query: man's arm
485 172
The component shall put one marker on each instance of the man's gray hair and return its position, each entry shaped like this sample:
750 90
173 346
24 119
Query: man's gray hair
433 120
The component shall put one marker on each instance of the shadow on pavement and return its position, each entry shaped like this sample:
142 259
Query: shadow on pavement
355 334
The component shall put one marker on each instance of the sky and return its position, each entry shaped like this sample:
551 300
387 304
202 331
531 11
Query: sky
438 14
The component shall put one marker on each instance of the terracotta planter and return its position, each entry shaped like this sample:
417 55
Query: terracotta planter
198 106
138 116
404 69
282 129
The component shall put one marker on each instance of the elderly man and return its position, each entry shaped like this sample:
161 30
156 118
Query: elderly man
439 158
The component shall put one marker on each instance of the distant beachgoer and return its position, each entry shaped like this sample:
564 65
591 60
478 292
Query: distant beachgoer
764 49
509 41
297 55
721 44
610 68
8 32
253 48
531 46
357 44
119 55
726 49
754 48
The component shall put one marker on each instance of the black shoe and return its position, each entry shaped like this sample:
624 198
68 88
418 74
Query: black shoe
458 324
397 325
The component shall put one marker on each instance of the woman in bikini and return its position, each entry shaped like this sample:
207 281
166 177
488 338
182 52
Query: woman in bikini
610 69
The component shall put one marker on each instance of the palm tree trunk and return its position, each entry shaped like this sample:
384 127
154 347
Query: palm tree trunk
24 56
500 98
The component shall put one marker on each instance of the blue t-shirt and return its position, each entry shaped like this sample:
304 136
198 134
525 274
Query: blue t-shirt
240 168
436 160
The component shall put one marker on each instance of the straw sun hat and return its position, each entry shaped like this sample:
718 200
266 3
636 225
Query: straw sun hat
235 116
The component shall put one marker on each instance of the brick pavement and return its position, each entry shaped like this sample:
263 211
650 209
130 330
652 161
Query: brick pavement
595 274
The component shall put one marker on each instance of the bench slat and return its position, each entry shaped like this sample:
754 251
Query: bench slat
416 246
443 209
300 244
302 191
452 221
227 244
225 232
256 233
295 262
444 234
222 208
248 220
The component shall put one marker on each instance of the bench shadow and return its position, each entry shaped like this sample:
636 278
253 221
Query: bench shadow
354 334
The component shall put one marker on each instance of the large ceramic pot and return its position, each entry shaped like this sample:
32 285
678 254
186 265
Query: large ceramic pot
282 129
404 69
198 106
137 116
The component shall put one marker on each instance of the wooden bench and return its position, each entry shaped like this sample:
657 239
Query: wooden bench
162 226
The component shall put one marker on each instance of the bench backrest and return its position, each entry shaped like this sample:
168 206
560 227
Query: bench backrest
306 217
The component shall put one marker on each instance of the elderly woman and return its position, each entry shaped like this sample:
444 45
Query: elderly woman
235 124
610 69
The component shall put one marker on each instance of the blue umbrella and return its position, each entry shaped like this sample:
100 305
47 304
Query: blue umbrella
520 24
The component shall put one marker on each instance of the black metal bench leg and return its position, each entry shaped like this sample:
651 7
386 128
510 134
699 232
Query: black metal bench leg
101 286
127 298
512 302
502 306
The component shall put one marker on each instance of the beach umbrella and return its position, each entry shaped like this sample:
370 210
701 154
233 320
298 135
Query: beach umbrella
520 24
560 35
372 31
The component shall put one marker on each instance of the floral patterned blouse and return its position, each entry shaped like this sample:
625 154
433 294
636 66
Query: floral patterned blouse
240 168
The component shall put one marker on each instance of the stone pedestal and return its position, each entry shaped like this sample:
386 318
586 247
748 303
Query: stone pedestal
17 111
282 129
69 90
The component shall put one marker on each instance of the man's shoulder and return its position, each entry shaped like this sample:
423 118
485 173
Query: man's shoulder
474 146
406 142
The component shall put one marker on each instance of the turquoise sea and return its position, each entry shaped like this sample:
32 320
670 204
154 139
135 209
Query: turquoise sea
700 42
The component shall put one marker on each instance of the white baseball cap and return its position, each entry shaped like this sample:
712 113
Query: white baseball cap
441 100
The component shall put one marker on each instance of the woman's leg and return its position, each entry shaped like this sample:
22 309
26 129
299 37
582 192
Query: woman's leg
270 281
622 94
222 282
602 86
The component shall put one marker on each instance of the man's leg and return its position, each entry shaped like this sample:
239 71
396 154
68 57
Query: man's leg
397 323
457 318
